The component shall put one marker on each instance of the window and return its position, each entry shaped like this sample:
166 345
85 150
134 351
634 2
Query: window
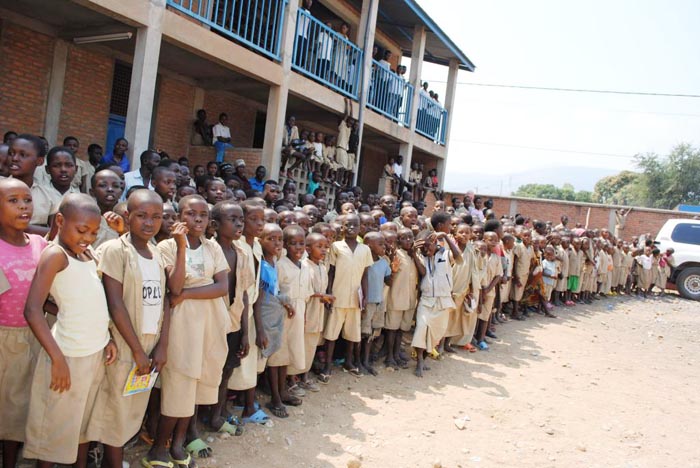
686 234
121 82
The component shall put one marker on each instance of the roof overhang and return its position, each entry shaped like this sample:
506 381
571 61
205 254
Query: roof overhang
397 18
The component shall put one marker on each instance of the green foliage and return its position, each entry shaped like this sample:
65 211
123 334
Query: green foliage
663 182
551 192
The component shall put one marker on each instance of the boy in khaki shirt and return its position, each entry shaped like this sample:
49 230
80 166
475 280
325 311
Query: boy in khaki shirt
347 282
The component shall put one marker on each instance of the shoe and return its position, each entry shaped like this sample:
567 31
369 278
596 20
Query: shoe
483 346
469 347
310 385
297 391
491 334
569 303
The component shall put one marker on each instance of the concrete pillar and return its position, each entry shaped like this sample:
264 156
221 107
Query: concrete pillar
368 22
277 98
441 167
450 96
414 77
198 100
54 99
143 82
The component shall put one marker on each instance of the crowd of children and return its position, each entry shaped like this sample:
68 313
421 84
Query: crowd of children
207 293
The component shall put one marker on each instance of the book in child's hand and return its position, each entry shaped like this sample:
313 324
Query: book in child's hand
139 383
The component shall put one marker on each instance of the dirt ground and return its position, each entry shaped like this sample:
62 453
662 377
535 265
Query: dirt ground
596 387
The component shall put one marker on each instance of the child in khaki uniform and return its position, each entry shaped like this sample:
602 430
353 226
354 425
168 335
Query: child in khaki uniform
524 254
245 376
71 363
19 256
60 165
133 276
227 219
294 281
494 272
316 248
460 319
198 283
402 299
347 281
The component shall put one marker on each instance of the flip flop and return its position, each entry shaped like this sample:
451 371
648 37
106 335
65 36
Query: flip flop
146 463
354 371
197 447
231 429
292 401
256 406
279 411
235 420
259 417
323 378
185 462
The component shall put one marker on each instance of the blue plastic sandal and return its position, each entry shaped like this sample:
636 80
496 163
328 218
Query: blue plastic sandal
483 346
259 417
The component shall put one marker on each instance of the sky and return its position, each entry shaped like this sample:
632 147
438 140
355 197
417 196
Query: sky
504 137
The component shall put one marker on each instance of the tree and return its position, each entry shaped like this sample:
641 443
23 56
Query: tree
668 182
619 189
551 192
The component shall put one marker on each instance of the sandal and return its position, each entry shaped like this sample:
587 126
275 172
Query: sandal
231 429
354 371
292 400
198 448
185 462
323 378
259 417
146 463
279 411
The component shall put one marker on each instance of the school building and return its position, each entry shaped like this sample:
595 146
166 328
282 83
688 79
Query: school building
101 69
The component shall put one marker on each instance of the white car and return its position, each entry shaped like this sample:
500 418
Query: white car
683 236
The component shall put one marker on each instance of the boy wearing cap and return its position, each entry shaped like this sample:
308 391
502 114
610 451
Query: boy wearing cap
222 137
240 173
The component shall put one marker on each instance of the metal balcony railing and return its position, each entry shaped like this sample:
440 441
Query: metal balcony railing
432 119
254 23
390 94
326 56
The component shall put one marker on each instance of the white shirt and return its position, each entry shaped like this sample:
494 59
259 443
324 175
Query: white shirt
133 178
398 169
221 130
304 25
325 46
152 295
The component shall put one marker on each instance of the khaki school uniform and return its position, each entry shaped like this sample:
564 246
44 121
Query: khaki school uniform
575 267
493 269
626 266
245 376
349 268
116 418
563 282
294 283
46 200
197 346
315 315
506 287
245 279
403 294
617 266
523 258
461 285
18 352
435 302
342 147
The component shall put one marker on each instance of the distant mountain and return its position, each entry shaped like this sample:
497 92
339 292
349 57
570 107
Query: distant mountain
582 178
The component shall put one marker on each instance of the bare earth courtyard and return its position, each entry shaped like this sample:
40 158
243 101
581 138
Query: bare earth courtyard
595 387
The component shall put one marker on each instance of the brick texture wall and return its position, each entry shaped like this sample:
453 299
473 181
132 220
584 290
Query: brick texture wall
639 221
86 95
25 64
174 117
241 115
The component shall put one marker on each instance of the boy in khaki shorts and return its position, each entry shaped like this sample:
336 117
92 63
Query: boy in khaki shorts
523 254
402 300
347 281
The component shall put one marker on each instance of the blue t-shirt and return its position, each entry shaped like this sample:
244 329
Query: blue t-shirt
124 164
268 278
375 280
312 185
255 185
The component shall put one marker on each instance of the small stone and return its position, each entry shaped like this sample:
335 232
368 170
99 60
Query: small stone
475 459
549 431
437 464
210 439
581 448
371 432
288 441
354 463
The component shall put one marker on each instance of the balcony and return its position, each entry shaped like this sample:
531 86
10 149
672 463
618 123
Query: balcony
432 119
326 56
256 24
390 94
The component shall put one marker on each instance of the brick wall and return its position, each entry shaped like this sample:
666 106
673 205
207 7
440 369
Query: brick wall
84 114
241 115
25 64
639 221
174 117
371 168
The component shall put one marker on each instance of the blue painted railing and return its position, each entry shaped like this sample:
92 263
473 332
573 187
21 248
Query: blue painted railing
326 56
432 119
254 23
389 94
